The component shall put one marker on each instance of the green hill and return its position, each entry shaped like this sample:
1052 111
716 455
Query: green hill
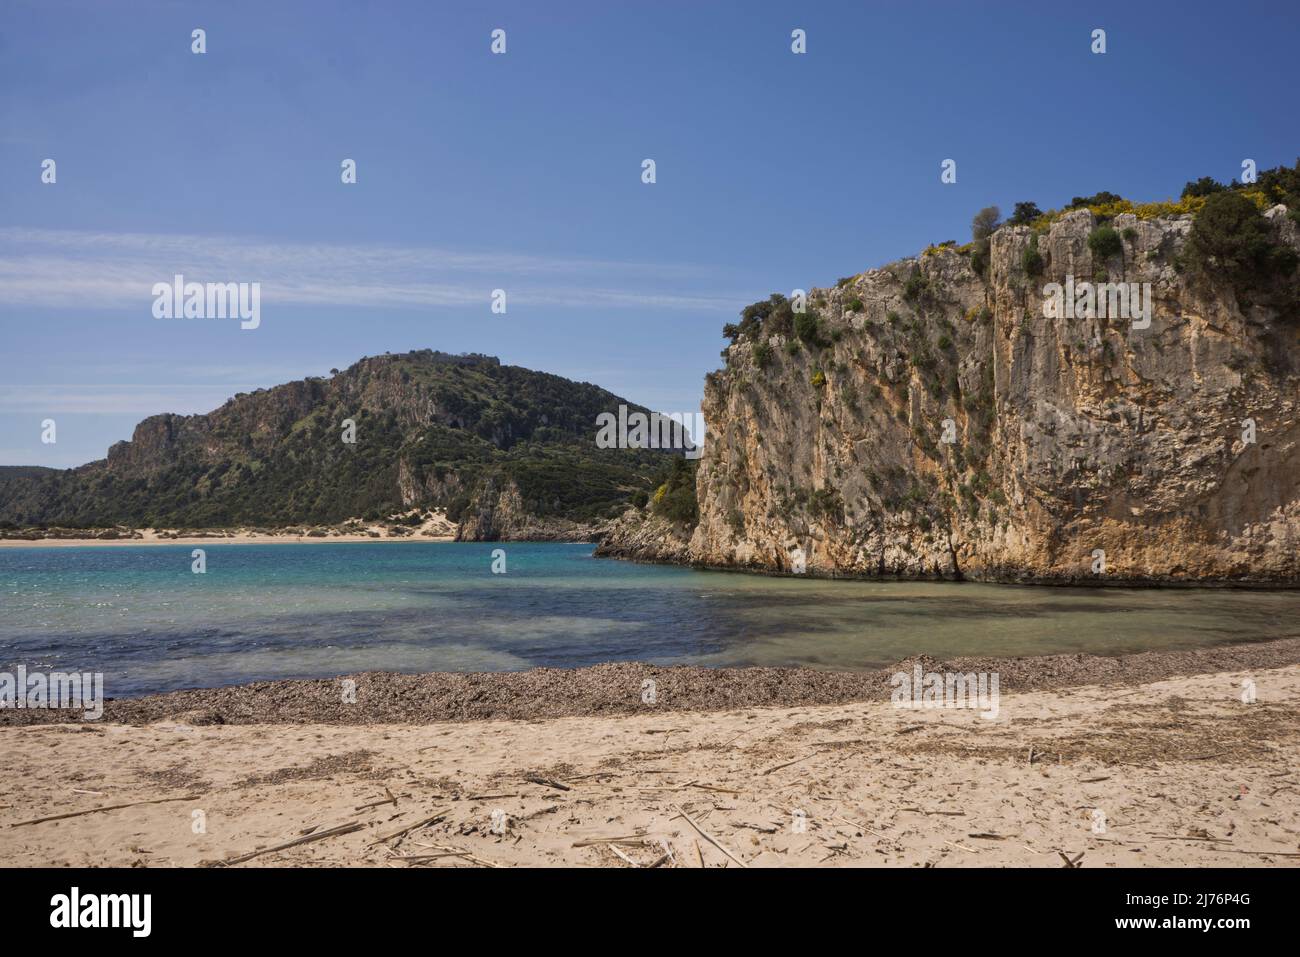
505 450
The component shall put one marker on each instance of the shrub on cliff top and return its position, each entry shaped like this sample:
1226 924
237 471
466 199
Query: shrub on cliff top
1230 237
1025 214
985 222
808 329
1205 186
1105 242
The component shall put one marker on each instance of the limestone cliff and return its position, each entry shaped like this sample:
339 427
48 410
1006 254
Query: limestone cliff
932 422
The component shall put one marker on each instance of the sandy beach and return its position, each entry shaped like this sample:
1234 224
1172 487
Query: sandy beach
436 528
1131 768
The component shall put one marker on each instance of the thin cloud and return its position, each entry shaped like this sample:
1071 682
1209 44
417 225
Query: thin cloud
86 269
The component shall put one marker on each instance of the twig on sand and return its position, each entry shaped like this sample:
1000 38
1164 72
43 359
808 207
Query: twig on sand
699 855
431 819
630 839
320 836
860 827
689 784
786 764
547 782
109 807
388 800
444 852
1182 837
1233 850
614 848
704 834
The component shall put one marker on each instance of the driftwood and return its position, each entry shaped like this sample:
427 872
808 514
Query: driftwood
629 839
778 767
110 807
704 834
614 848
388 800
431 819
547 782
319 836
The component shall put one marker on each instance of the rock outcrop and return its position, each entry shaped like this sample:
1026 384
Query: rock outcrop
936 424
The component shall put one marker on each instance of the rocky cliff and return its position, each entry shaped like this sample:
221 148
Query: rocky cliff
930 421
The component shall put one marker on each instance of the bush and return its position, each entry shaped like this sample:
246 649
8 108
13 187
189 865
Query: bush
1105 242
1205 186
854 306
1025 214
1231 237
808 329
818 378
914 288
985 222
675 498
1103 198
762 355
1031 259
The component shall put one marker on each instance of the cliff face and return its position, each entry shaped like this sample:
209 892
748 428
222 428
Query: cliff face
507 452
938 425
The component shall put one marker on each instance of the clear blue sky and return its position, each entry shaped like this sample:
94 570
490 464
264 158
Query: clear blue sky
522 172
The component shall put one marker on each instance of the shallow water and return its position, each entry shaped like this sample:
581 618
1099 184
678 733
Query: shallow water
140 616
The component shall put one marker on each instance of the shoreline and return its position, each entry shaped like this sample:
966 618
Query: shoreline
151 538
1028 581
200 540
616 689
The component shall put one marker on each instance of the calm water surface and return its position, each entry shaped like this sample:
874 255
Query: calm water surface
139 615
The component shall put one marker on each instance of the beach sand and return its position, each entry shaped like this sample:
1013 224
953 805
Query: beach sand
1135 771
436 528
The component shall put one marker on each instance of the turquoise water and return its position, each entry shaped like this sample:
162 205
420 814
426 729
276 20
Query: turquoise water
139 615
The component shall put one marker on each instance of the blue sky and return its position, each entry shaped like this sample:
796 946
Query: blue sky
522 172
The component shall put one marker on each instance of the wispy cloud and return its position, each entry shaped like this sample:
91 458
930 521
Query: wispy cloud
62 268
112 399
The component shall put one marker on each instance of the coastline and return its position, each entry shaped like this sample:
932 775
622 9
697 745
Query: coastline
1172 772
616 689
248 538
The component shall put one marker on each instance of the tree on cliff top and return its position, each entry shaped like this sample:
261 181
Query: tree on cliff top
985 222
